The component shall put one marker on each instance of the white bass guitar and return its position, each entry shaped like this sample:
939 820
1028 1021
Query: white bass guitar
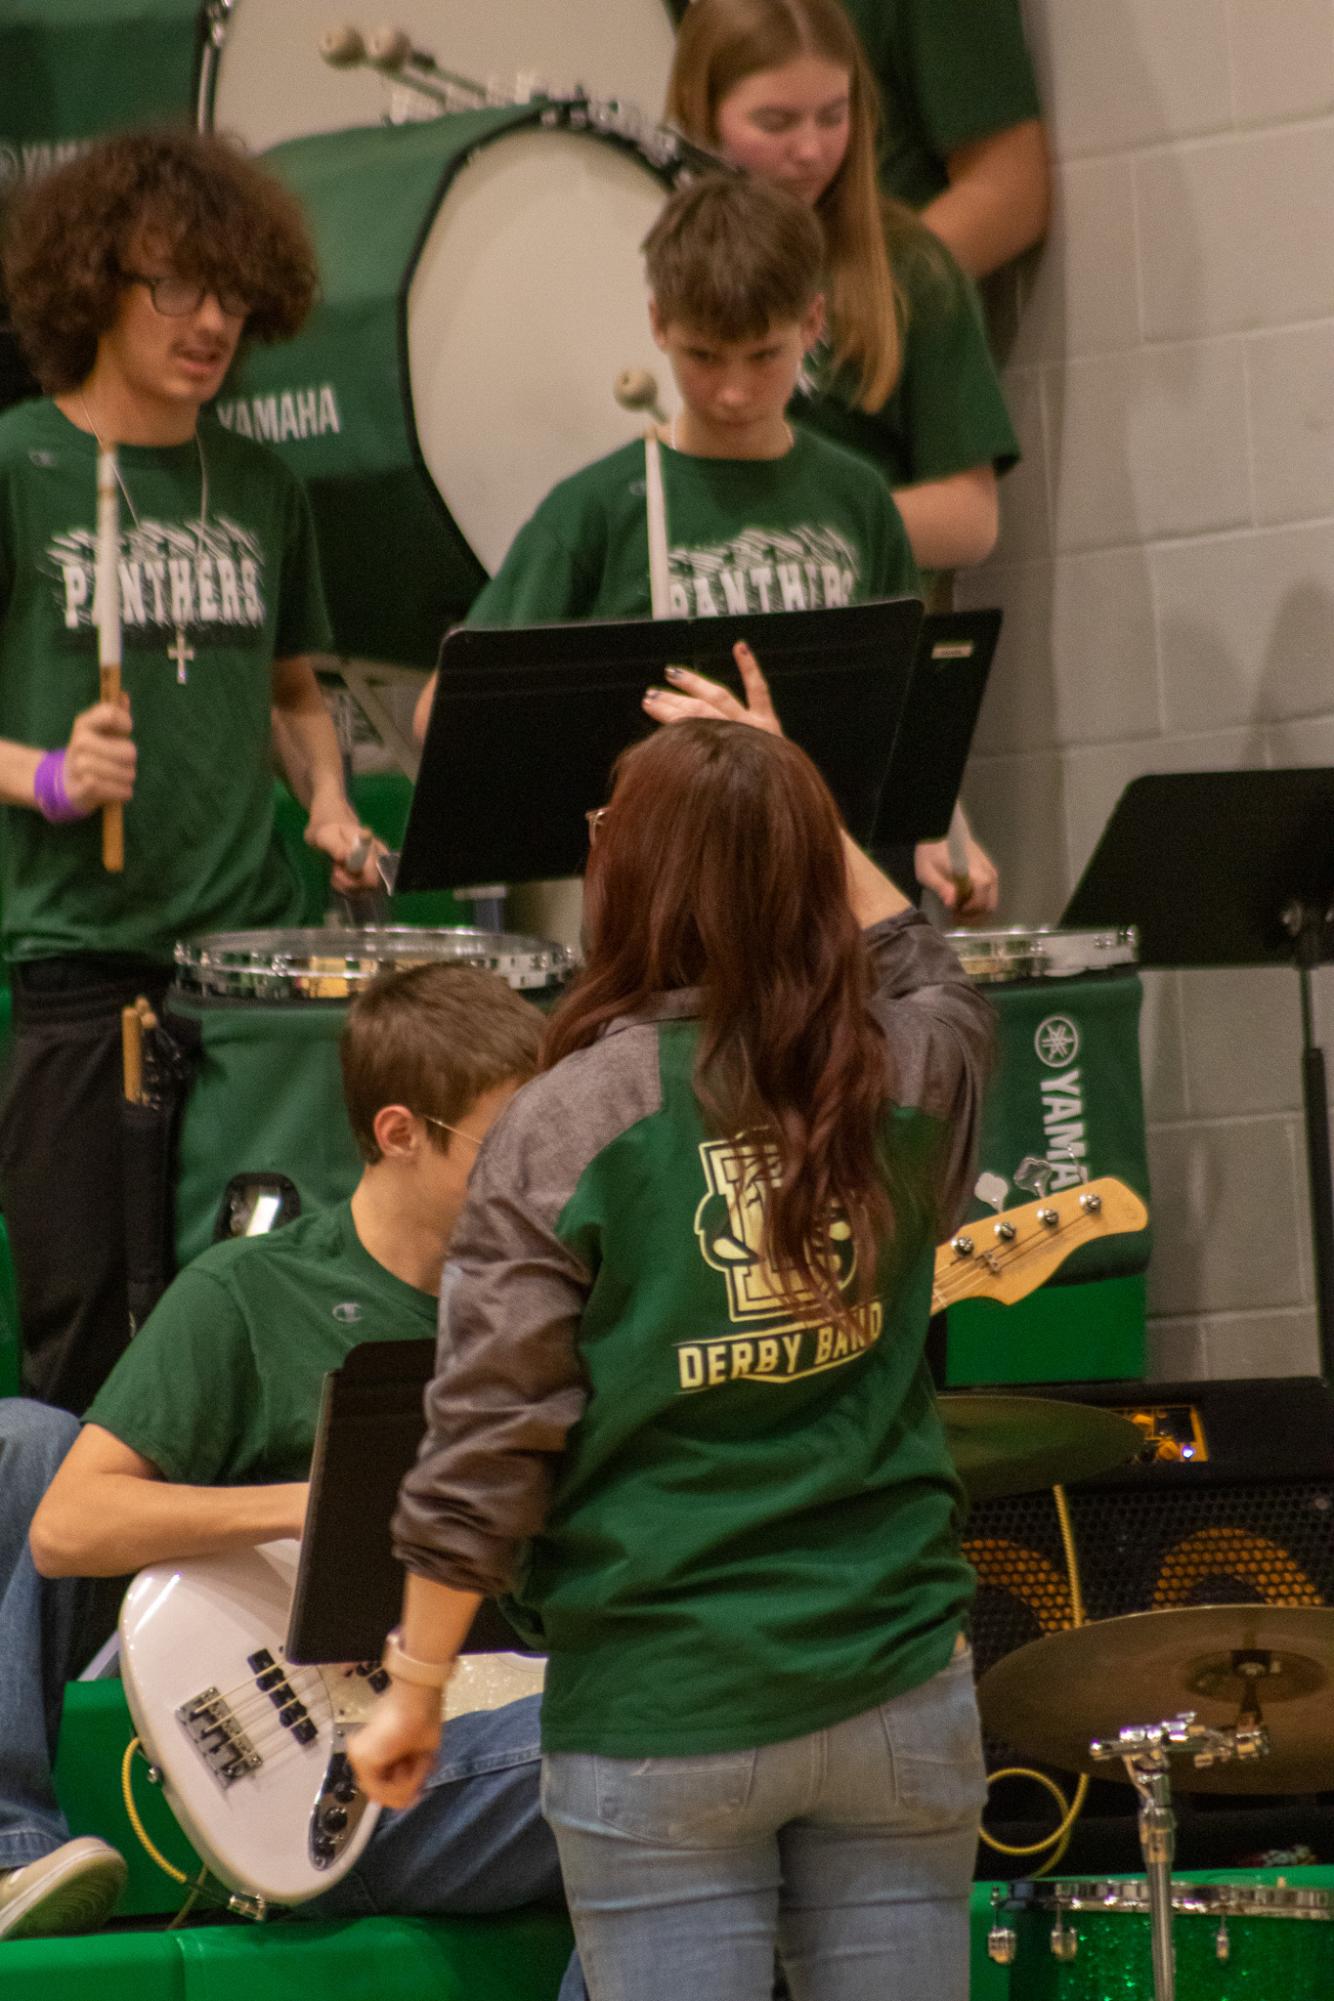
251 1749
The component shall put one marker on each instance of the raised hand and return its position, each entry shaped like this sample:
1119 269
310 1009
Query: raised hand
695 695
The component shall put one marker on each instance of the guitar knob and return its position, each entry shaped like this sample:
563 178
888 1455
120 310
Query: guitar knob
345 1790
962 1246
1005 1233
333 1818
1090 1204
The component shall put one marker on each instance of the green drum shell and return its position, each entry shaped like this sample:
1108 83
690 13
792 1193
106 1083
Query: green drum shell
72 70
339 402
1280 1944
267 1010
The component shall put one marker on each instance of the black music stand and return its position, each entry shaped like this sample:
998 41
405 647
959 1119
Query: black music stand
349 1586
527 723
1233 868
955 650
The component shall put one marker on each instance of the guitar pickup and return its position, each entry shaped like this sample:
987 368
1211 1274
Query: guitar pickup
218 1738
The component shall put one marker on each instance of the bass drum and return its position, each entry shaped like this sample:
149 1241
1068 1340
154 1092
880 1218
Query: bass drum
265 79
482 291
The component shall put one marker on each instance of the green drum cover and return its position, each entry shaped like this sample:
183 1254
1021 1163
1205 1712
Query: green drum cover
1069 1076
336 400
71 70
1269 1959
267 1097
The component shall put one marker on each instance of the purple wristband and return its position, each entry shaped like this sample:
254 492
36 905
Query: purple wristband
48 785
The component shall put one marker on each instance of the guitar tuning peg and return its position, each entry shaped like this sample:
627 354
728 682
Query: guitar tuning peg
1035 1174
993 1189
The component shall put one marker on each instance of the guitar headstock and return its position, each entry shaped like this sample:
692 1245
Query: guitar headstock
1008 1256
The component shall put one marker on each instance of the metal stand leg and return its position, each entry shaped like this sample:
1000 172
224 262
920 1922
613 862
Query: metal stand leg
1320 1176
1157 1839
1144 1749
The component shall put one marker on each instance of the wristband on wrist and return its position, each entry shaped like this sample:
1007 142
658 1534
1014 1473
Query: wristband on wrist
406 1667
48 788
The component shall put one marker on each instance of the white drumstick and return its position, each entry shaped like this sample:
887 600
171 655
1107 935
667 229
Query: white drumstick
343 47
106 610
637 389
957 843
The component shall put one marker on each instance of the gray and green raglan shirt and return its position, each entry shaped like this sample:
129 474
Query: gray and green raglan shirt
728 1525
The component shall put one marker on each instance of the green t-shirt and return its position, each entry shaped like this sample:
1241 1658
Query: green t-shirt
221 1385
949 71
200 849
947 412
744 535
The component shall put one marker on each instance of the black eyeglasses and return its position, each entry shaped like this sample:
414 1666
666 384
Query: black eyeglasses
176 297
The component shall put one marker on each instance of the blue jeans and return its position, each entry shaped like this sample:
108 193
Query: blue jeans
39 1623
849 1851
474 1842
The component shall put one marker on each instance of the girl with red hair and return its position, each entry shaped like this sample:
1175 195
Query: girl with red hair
682 1414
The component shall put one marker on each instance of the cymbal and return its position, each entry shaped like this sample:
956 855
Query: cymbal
1014 1445
1052 1698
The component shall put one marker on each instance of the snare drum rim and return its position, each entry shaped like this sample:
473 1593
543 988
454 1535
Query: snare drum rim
1044 952
1129 1897
278 966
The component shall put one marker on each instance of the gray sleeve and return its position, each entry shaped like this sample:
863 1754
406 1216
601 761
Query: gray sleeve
508 1384
941 1034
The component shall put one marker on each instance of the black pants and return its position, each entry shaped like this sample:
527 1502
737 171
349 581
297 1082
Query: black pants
61 1169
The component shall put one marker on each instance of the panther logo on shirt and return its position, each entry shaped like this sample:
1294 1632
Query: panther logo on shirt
200 576
794 569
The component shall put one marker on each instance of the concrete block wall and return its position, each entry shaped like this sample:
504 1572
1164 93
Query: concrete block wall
1167 570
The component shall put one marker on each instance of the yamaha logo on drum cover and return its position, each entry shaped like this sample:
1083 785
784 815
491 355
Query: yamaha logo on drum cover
1056 1041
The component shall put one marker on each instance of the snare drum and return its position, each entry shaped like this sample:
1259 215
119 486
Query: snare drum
267 1009
1234 1941
999 958
265 79
482 292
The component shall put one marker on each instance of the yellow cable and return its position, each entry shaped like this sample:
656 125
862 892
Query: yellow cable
1059 1839
127 1793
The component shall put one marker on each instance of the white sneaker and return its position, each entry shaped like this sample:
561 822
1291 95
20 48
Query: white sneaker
74 1889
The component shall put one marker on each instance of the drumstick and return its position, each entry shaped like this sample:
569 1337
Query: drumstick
132 1053
107 613
957 842
637 389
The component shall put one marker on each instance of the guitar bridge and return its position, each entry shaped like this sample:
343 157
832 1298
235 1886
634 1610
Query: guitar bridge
218 1738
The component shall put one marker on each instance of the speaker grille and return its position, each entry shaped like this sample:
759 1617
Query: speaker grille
1143 1549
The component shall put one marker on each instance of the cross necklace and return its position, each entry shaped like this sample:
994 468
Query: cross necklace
180 652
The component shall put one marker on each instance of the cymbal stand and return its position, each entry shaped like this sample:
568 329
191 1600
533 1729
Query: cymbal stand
1145 1749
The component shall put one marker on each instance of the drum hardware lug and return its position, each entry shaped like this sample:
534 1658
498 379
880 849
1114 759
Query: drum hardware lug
1002 1940
1222 1943
1064 1942
962 1247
